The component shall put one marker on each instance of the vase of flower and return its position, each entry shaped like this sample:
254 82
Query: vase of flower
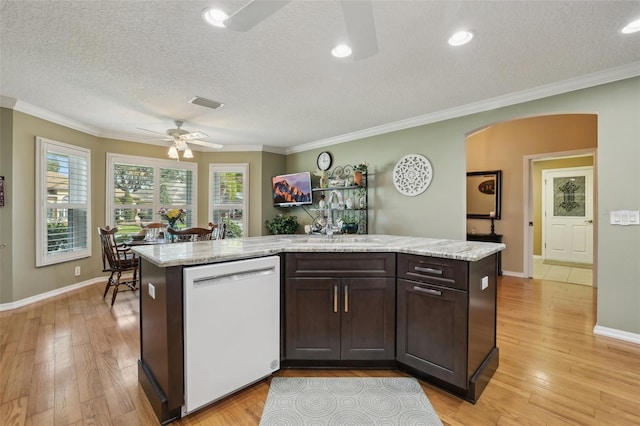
172 217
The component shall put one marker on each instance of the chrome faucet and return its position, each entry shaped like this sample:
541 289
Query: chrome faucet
330 228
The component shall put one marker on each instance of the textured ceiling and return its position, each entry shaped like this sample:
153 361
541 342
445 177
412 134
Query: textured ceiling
116 66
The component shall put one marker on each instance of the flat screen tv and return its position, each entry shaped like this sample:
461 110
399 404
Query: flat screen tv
291 190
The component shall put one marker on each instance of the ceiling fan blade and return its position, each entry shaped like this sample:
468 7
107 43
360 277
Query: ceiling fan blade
152 131
253 13
361 28
194 135
206 144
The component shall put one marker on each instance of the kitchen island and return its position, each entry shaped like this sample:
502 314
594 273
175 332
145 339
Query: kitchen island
425 306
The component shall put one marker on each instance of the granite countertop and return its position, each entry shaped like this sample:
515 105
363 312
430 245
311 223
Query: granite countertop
197 253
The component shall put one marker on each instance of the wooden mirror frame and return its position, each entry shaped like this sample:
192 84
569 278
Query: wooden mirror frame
472 184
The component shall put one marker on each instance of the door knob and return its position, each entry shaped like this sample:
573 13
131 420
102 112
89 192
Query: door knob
588 221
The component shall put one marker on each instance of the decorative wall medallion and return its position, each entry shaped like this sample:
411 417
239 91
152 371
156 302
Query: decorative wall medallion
412 175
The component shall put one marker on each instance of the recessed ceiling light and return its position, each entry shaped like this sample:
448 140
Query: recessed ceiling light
633 27
341 51
215 17
460 38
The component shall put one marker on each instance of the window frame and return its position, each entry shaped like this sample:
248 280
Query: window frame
43 147
231 167
157 164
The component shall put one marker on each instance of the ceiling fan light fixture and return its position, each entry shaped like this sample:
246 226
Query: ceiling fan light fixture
215 17
173 152
187 153
632 27
460 38
341 51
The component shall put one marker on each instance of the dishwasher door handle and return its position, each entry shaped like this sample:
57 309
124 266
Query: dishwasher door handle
335 298
234 276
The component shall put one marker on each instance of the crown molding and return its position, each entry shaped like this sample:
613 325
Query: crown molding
589 80
44 114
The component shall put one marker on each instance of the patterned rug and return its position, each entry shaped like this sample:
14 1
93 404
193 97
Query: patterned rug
336 401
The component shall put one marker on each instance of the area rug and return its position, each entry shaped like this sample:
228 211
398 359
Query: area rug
568 264
294 401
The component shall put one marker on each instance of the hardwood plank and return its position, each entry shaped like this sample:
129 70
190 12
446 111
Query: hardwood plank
89 382
42 388
552 371
96 412
19 380
41 419
14 412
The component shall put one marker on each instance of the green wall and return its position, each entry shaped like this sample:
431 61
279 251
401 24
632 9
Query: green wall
439 212
20 278
6 213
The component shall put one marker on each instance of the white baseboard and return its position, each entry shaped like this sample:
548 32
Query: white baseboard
514 274
49 294
617 334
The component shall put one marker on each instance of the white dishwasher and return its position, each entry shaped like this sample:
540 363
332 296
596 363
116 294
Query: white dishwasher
231 327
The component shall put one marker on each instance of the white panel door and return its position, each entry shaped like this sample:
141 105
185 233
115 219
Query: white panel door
567 204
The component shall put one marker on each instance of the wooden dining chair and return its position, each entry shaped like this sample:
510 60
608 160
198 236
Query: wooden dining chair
192 234
117 259
153 230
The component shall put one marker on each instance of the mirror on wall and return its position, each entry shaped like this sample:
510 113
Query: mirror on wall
483 194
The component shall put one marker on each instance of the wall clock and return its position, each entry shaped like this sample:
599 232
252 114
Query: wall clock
412 175
324 161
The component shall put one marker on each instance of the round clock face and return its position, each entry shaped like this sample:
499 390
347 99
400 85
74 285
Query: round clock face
324 161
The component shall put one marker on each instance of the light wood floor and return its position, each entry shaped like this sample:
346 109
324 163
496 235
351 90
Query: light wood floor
72 360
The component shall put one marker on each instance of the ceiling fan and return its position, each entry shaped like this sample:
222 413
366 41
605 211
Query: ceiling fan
180 137
358 19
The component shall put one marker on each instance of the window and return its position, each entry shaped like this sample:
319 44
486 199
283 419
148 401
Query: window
229 197
137 187
63 179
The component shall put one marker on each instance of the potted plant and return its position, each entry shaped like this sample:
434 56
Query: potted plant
349 224
358 170
282 224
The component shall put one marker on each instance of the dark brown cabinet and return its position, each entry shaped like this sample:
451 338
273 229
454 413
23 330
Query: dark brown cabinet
432 330
489 238
446 320
333 314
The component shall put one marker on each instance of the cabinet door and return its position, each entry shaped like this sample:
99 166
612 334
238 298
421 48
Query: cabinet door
313 318
368 319
432 330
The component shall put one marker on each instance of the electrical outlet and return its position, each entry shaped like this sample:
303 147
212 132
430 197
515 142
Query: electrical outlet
485 283
77 271
152 291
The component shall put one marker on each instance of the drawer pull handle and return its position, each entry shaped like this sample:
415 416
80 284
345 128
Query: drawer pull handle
346 298
428 291
335 298
429 270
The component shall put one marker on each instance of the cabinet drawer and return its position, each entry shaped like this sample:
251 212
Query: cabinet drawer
433 270
341 264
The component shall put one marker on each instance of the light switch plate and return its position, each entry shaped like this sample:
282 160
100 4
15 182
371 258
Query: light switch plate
624 217
485 283
152 291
